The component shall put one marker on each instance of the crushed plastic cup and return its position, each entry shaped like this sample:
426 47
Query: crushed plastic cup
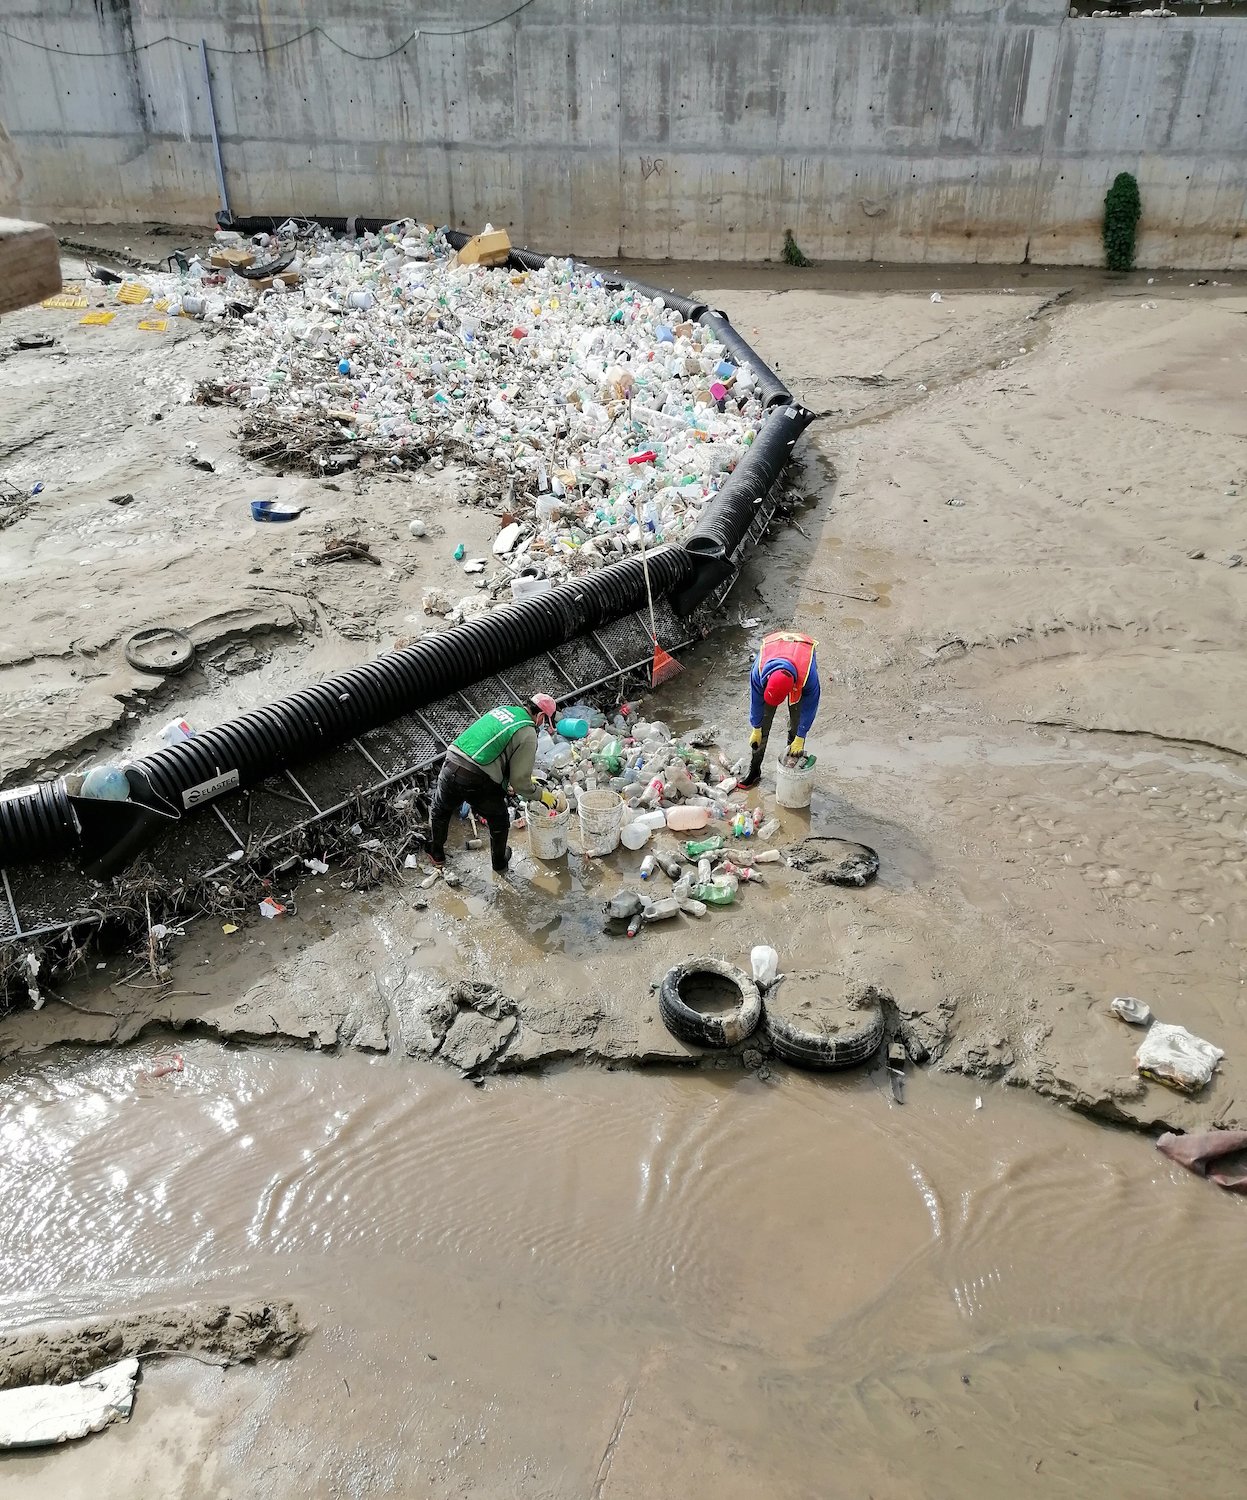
270 908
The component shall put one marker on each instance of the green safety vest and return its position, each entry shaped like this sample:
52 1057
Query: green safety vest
484 741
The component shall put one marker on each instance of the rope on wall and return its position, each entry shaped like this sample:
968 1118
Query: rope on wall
276 46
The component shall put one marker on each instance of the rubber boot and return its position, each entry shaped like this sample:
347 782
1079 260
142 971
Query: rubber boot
754 774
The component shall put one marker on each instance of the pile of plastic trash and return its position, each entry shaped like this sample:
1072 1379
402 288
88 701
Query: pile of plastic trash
598 418
664 784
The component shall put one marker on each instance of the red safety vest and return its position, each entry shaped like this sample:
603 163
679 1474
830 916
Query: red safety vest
794 648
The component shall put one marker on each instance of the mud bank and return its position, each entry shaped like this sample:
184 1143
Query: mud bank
1018 562
223 1333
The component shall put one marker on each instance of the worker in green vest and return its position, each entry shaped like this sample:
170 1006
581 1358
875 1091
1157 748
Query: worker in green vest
491 755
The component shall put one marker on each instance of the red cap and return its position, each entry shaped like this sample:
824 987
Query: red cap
544 704
779 686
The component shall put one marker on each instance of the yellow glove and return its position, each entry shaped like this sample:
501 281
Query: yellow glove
547 799
755 738
797 746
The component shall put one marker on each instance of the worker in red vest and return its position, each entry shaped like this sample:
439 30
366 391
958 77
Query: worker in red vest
494 754
785 670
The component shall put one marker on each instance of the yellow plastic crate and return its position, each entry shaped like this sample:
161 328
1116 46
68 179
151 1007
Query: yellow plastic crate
70 300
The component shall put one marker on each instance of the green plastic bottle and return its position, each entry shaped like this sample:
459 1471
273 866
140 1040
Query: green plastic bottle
716 895
695 848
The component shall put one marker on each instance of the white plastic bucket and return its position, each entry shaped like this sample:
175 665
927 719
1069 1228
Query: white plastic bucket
601 818
794 786
547 831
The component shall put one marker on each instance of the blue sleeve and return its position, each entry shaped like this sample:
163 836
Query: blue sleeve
756 702
809 701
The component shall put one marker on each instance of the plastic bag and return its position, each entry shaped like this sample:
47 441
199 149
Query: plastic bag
1170 1054
765 962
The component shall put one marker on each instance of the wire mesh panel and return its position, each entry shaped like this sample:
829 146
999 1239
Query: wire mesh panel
536 675
486 694
337 777
449 717
583 660
189 848
52 896
274 807
402 744
627 640
8 918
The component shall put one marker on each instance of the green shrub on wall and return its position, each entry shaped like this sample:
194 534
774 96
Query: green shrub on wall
1122 207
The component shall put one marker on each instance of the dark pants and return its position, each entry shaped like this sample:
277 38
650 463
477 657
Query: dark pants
768 718
457 785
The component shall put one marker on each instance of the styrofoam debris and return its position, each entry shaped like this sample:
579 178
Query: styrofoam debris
506 539
34 1416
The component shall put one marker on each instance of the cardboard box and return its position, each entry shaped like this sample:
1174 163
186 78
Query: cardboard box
490 249
30 264
231 260
290 278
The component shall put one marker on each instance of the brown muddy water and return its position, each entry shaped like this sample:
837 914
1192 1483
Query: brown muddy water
601 1284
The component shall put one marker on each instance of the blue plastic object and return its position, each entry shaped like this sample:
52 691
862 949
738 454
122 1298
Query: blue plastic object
106 784
274 510
724 370
344 367
665 335
573 729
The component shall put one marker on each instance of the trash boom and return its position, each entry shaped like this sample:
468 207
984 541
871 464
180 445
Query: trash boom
49 821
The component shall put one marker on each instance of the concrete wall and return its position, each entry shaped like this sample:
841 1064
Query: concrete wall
937 130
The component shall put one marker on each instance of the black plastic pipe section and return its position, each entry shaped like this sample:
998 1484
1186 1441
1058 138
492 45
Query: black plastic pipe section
45 821
712 544
770 387
39 822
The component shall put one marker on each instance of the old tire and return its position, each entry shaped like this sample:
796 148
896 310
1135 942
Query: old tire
817 1021
733 1015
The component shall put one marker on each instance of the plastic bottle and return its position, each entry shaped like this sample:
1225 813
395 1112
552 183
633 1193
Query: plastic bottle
648 866
671 866
704 869
660 911
692 908
697 847
686 818
634 835
653 820
769 857
769 829
716 895
572 729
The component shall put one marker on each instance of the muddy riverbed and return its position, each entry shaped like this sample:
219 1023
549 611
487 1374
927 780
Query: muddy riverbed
625 1285
1017 553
